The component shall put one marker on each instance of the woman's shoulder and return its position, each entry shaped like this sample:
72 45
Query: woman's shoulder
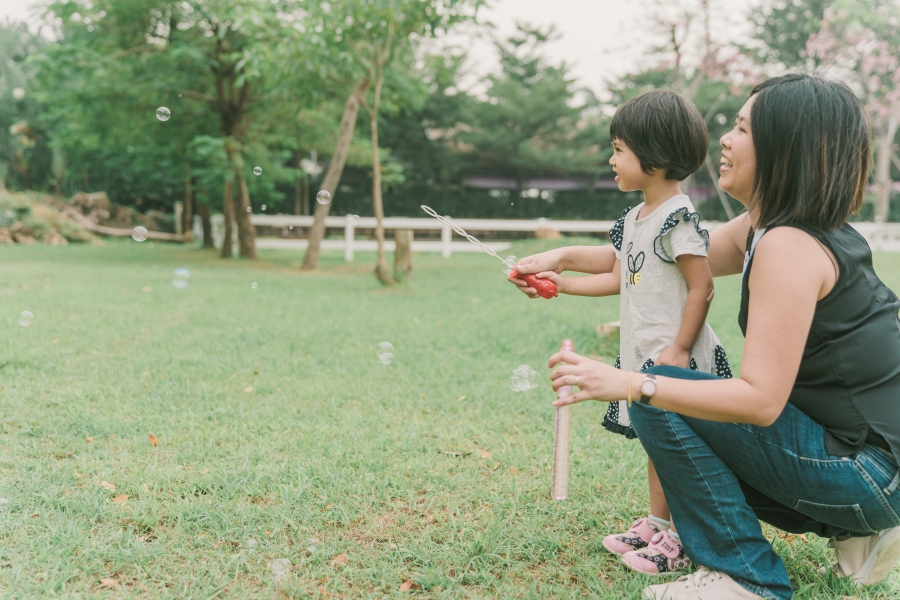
791 252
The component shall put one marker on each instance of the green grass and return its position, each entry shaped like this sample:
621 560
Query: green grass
330 453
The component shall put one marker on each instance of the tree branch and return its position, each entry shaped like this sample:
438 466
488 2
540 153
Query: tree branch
198 96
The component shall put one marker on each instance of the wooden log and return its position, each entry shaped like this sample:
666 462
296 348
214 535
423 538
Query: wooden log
115 231
403 264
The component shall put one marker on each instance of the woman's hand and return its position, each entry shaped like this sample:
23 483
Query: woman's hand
676 356
541 264
595 380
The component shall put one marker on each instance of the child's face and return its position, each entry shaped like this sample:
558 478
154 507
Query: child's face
629 174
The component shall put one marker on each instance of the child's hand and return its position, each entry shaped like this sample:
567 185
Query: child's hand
538 264
675 356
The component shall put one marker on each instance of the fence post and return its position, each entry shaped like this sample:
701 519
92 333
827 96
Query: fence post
349 236
446 236
178 210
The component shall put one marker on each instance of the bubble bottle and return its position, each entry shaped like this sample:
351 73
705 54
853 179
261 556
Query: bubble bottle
560 487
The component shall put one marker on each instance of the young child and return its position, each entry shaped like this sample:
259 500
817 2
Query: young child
663 277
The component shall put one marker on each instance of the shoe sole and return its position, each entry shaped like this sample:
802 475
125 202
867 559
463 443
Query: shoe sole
611 551
881 561
654 573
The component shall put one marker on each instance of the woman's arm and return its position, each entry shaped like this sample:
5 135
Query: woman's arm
727 245
782 304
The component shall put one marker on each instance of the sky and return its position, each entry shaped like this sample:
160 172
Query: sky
599 39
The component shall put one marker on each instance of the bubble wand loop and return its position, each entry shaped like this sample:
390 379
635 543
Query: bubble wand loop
560 487
544 287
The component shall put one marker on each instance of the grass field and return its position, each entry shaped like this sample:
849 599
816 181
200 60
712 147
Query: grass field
281 435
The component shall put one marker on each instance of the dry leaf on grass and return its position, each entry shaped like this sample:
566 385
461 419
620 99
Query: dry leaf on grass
110 486
328 506
512 470
108 582
409 585
90 439
340 561
154 441
248 389
120 499
485 454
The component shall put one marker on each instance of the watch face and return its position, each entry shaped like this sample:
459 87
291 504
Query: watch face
648 387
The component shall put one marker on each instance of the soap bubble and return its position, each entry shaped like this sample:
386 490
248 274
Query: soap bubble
323 197
257 171
253 286
509 263
18 93
25 318
263 207
139 233
163 114
249 209
523 379
385 353
180 278
721 119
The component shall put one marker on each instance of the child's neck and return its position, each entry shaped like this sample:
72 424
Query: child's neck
656 192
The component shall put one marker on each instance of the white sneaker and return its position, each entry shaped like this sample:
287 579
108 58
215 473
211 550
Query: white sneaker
867 560
702 585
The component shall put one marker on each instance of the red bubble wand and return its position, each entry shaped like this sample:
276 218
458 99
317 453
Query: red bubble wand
544 287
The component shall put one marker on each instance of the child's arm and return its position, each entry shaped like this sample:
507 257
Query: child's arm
698 276
604 284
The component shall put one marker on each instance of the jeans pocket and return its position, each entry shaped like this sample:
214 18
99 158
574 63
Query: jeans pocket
881 468
845 516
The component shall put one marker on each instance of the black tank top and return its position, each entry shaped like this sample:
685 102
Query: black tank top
849 377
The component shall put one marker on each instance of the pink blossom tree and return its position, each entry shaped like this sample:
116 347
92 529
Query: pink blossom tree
859 42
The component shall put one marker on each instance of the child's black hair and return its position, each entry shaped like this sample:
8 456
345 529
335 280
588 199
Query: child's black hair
665 131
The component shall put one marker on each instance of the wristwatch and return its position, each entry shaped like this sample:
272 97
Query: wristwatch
648 388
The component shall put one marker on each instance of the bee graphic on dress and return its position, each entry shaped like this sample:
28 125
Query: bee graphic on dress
634 267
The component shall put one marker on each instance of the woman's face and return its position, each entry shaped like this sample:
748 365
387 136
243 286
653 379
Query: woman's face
738 157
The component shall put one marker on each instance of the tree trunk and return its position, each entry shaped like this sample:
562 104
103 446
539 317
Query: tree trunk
187 214
403 264
228 213
246 230
381 268
883 166
203 211
298 186
333 175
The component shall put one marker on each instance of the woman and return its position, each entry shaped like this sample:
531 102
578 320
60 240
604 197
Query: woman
808 438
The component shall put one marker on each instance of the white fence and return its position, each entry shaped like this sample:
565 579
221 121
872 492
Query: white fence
883 237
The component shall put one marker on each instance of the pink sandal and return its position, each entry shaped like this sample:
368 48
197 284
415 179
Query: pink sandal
664 554
635 538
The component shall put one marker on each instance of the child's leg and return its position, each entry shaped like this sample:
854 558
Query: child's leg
659 508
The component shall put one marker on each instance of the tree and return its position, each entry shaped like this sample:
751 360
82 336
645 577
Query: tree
860 43
382 34
533 120
781 30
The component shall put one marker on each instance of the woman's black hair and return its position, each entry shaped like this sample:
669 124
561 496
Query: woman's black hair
665 131
813 159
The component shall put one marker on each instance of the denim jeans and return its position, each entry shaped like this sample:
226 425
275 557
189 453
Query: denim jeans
720 479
